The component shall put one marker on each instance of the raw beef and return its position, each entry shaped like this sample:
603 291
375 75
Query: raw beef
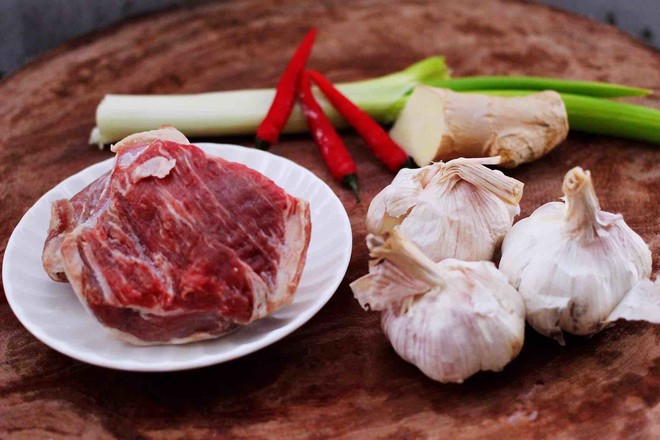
174 246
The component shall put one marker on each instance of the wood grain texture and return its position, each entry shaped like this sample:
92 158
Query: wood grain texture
337 376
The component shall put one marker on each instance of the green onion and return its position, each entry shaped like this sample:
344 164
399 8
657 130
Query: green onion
602 116
586 88
240 112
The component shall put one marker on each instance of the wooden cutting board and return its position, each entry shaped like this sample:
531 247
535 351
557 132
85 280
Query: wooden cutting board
337 376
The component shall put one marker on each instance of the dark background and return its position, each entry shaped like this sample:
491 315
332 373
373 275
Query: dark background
30 27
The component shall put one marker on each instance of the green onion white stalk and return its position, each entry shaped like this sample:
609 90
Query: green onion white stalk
240 112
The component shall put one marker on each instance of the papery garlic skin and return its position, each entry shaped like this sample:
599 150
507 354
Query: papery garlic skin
451 319
573 263
458 209
475 323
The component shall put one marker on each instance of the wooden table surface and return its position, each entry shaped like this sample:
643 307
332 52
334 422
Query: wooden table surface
337 376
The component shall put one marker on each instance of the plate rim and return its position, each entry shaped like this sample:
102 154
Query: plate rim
205 360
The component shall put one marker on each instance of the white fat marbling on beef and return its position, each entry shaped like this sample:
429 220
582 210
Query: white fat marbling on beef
165 133
156 167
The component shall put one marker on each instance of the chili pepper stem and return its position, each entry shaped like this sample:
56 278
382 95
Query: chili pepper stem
262 144
350 181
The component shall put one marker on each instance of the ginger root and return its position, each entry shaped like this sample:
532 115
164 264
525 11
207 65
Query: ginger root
439 124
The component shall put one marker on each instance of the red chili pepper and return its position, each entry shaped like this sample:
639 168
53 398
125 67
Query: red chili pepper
285 96
335 154
380 143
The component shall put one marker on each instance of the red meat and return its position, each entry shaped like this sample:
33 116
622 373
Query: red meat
174 246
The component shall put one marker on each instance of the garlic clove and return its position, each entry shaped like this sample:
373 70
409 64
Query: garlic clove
459 209
642 303
376 213
390 206
573 263
406 186
450 319
544 314
468 225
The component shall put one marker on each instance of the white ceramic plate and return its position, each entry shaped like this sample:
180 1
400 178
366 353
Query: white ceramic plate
52 312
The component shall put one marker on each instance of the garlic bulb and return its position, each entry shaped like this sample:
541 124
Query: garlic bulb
458 209
574 264
451 319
